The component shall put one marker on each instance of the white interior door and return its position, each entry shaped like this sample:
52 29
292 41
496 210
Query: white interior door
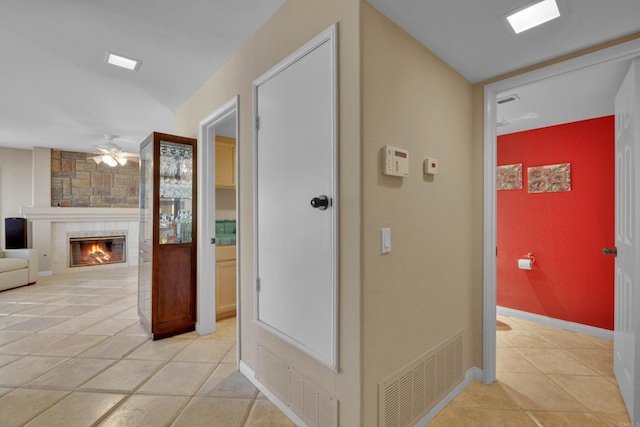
295 170
627 295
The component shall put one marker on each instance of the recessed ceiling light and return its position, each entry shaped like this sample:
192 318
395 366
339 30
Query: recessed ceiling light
121 61
533 15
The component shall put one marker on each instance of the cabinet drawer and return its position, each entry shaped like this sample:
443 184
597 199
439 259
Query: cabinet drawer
225 253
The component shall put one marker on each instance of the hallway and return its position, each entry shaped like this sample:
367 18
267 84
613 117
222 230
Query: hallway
545 377
73 353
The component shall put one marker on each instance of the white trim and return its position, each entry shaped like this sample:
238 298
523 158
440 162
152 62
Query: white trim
490 242
557 323
56 214
330 35
620 52
251 376
472 374
206 286
238 239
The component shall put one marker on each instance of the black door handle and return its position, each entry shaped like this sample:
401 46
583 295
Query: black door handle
321 202
610 251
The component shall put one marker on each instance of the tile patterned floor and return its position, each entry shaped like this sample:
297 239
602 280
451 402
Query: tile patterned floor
545 377
72 353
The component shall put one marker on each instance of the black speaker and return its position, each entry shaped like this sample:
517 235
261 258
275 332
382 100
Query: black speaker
15 233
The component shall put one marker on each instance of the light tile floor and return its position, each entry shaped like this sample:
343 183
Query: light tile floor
73 353
545 377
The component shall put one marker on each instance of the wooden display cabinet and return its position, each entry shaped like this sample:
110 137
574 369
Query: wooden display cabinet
167 263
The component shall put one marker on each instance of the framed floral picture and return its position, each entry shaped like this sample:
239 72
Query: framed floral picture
550 178
510 177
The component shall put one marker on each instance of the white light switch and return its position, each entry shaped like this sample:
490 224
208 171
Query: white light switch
385 239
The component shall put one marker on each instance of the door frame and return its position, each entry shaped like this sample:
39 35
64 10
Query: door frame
622 51
206 284
330 36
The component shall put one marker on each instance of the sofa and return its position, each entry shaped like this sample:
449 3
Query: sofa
18 267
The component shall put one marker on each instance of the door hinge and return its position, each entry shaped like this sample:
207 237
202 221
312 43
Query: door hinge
213 240
257 123
257 284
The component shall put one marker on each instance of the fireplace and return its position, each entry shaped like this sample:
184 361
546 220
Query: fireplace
89 251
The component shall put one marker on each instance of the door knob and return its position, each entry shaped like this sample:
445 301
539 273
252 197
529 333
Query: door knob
321 202
610 251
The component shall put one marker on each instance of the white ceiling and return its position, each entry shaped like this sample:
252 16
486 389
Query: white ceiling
56 91
580 95
472 38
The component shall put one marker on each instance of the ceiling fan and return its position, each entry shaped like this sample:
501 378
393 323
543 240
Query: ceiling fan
112 155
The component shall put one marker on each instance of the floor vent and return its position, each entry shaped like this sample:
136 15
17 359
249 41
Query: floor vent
313 405
508 98
409 394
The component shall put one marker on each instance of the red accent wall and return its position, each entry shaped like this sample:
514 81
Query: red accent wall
565 231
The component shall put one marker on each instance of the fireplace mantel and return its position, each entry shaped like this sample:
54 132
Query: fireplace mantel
54 225
55 214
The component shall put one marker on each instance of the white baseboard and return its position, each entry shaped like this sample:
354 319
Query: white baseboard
45 273
251 376
556 323
472 373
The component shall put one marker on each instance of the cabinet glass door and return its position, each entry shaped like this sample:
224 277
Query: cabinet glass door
146 230
176 192
146 194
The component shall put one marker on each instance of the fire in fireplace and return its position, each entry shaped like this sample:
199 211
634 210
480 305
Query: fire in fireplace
86 251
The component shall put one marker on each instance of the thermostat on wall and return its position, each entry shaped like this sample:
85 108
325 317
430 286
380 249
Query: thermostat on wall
431 166
395 162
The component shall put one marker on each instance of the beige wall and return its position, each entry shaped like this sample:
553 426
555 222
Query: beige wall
295 23
430 286
15 184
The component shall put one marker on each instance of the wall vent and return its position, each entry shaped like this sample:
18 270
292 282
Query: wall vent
313 405
508 98
410 393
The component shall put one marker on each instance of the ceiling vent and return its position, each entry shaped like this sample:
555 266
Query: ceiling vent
508 98
502 123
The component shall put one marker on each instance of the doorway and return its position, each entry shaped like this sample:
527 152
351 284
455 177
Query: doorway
218 229
491 92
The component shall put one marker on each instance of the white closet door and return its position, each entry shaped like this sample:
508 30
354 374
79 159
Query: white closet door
295 179
627 293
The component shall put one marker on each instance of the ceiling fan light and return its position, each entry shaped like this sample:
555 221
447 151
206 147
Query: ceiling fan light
122 160
109 160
